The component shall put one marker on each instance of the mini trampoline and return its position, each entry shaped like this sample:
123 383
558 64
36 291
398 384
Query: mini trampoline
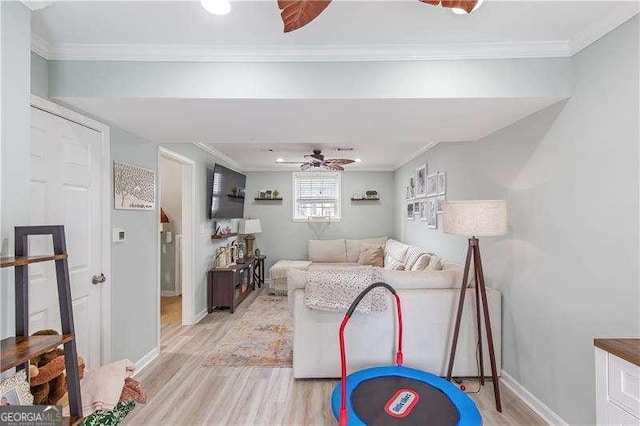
397 395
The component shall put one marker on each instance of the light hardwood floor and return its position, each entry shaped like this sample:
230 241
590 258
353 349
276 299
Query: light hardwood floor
183 392
171 310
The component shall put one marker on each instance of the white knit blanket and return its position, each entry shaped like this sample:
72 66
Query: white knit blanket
336 288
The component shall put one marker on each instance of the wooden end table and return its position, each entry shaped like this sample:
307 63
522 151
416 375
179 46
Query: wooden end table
258 270
228 287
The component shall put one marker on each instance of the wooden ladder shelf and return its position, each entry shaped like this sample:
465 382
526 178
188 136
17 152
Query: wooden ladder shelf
18 350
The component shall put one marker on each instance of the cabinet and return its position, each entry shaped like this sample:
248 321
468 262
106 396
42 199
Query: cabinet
617 381
228 287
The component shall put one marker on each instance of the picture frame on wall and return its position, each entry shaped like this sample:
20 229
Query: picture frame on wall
421 181
442 183
412 187
432 216
134 187
410 213
416 209
439 200
423 211
432 185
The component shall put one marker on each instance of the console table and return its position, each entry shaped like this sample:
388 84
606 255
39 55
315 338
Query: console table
228 287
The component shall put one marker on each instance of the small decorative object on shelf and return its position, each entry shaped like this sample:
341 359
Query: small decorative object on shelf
357 196
268 195
275 193
257 252
372 194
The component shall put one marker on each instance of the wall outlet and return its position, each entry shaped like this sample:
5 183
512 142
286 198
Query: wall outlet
118 235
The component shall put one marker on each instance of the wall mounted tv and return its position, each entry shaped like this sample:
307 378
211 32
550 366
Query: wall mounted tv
225 193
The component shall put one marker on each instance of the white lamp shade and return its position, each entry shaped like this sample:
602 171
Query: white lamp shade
475 218
250 226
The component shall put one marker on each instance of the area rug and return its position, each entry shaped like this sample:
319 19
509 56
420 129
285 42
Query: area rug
262 337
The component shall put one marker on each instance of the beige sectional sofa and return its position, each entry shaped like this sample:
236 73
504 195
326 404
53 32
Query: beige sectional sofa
429 302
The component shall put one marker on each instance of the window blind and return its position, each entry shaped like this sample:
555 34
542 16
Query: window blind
316 195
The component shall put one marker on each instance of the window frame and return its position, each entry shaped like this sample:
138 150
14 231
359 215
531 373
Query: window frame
294 199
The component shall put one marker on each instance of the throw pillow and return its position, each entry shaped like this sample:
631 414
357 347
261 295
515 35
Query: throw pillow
435 264
371 255
422 262
413 254
394 265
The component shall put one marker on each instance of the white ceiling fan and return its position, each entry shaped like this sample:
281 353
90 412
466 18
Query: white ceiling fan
317 160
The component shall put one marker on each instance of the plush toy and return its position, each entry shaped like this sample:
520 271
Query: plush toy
47 379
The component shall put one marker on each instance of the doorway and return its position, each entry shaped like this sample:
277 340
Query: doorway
176 228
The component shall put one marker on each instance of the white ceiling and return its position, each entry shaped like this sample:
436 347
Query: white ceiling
384 133
118 30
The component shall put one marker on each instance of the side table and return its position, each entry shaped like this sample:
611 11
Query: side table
258 270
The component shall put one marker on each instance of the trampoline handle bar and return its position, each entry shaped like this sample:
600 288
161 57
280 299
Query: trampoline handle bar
343 356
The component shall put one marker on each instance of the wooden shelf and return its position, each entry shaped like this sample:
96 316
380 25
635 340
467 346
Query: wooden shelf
8 262
234 196
268 199
223 236
18 350
365 199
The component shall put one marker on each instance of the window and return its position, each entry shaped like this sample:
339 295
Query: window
316 195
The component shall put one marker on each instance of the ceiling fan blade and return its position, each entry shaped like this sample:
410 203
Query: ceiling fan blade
466 5
339 161
305 166
312 158
334 167
298 13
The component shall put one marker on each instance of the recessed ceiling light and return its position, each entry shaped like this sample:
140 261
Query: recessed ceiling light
217 7
357 160
279 160
459 11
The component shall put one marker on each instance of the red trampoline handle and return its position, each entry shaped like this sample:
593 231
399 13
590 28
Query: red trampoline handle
342 419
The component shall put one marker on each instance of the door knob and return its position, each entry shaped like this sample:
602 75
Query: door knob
98 279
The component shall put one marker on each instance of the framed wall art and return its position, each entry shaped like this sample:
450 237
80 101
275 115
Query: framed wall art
421 181
134 187
432 185
442 183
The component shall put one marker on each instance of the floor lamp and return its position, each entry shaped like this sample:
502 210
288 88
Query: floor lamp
477 218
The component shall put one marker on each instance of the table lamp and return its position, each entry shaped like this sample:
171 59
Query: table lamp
248 228
476 218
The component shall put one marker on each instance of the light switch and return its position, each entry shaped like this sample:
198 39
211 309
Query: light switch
118 235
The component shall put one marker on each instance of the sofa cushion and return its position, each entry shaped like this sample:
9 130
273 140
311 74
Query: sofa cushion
413 253
416 280
395 250
371 254
393 265
422 262
354 247
435 264
326 251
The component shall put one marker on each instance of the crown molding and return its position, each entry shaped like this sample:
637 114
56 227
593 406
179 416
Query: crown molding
36 4
230 161
603 25
41 46
311 53
416 154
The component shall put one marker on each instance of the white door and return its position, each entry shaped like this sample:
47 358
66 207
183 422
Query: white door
66 189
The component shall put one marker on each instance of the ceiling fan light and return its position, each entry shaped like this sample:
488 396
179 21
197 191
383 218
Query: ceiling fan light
459 11
279 160
357 160
216 7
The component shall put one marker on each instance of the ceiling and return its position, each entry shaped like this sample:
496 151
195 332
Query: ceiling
252 133
136 29
384 133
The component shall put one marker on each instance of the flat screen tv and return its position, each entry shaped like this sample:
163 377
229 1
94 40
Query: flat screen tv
226 193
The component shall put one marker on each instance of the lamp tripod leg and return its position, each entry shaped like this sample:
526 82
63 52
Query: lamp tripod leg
479 326
456 329
487 322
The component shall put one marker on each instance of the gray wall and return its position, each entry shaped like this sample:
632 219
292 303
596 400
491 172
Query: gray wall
39 75
283 239
568 269
15 38
550 77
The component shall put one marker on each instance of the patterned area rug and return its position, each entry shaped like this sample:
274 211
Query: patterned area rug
262 337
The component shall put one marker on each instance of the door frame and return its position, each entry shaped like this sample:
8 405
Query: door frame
188 235
105 164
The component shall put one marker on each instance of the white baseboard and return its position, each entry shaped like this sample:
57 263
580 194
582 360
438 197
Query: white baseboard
143 362
168 293
539 407
199 317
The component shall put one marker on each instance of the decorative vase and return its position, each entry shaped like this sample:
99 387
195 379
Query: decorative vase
257 252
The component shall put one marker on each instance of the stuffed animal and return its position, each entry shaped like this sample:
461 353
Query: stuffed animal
47 379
